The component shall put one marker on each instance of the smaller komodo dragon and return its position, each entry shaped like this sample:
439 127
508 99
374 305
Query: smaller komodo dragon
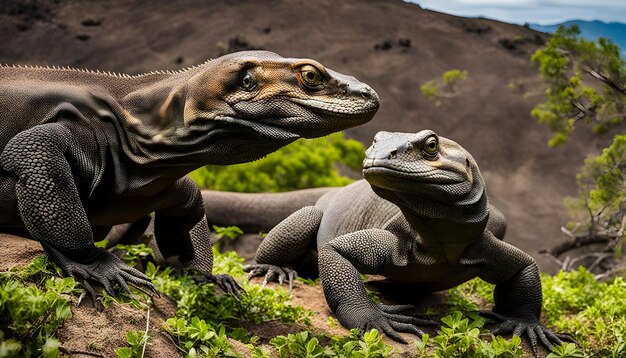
420 218
82 151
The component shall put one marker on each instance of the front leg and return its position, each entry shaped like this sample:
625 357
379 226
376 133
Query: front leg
51 209
517 295
287 244
180 229
370 252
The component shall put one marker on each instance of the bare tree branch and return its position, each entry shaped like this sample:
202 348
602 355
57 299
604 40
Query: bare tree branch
616 86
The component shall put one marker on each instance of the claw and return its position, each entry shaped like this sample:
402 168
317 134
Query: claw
80 298
542 337
252 273
269 276
405 327
226 283
103 268
389 331
292 276
390 320
272 273
529 326
395 308
533 341
88 291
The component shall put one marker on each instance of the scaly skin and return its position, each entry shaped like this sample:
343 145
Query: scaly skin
421 218
81 151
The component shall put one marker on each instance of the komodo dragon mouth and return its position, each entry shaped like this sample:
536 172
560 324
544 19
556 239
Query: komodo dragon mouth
338 109
265 130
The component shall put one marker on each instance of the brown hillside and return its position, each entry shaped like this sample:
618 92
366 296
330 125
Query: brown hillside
392 45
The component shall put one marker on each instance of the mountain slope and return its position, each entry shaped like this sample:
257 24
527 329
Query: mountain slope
392 45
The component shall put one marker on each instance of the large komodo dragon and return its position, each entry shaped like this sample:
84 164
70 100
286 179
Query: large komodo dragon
82 151
420 218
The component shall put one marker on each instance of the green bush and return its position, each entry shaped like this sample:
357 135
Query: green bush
593 312
598 99
32 308
444 87
304 344
258 305
302 164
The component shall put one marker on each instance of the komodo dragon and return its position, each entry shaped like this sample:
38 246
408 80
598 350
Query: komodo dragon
421 218
82 151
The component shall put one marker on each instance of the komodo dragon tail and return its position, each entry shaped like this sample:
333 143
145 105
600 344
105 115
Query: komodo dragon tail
254 212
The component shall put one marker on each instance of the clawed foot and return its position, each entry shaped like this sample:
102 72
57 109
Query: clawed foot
272 274
104 268
223 281
390 319
532 328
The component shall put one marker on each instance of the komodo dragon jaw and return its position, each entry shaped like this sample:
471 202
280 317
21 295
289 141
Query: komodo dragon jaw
259 101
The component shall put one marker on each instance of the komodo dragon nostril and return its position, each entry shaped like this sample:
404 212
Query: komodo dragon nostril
393 154
366 93
467 162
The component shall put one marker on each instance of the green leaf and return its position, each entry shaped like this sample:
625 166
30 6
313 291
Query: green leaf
125 352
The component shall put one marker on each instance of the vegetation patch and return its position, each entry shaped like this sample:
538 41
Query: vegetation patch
34 302
33 305
306 163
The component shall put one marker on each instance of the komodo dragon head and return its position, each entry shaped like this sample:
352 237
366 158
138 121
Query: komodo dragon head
242 106
431 176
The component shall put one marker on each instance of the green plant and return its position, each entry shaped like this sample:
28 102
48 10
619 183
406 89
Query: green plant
332 322
302 164
567 350
600 207
137 341
135 254
460 300
477 287
304 344
32 308
370 345
501 347
593 312
569 97
231 232
196 336
458 336
259 304
444 87
421 344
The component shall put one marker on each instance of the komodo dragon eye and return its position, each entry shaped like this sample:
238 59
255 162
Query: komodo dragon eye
431 146
311 77
248 82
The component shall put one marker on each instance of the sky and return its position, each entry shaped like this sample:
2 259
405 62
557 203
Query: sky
544 12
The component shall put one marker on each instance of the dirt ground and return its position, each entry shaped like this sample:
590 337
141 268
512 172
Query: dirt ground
100 332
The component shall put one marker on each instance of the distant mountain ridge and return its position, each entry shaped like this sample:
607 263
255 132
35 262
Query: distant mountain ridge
592 30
